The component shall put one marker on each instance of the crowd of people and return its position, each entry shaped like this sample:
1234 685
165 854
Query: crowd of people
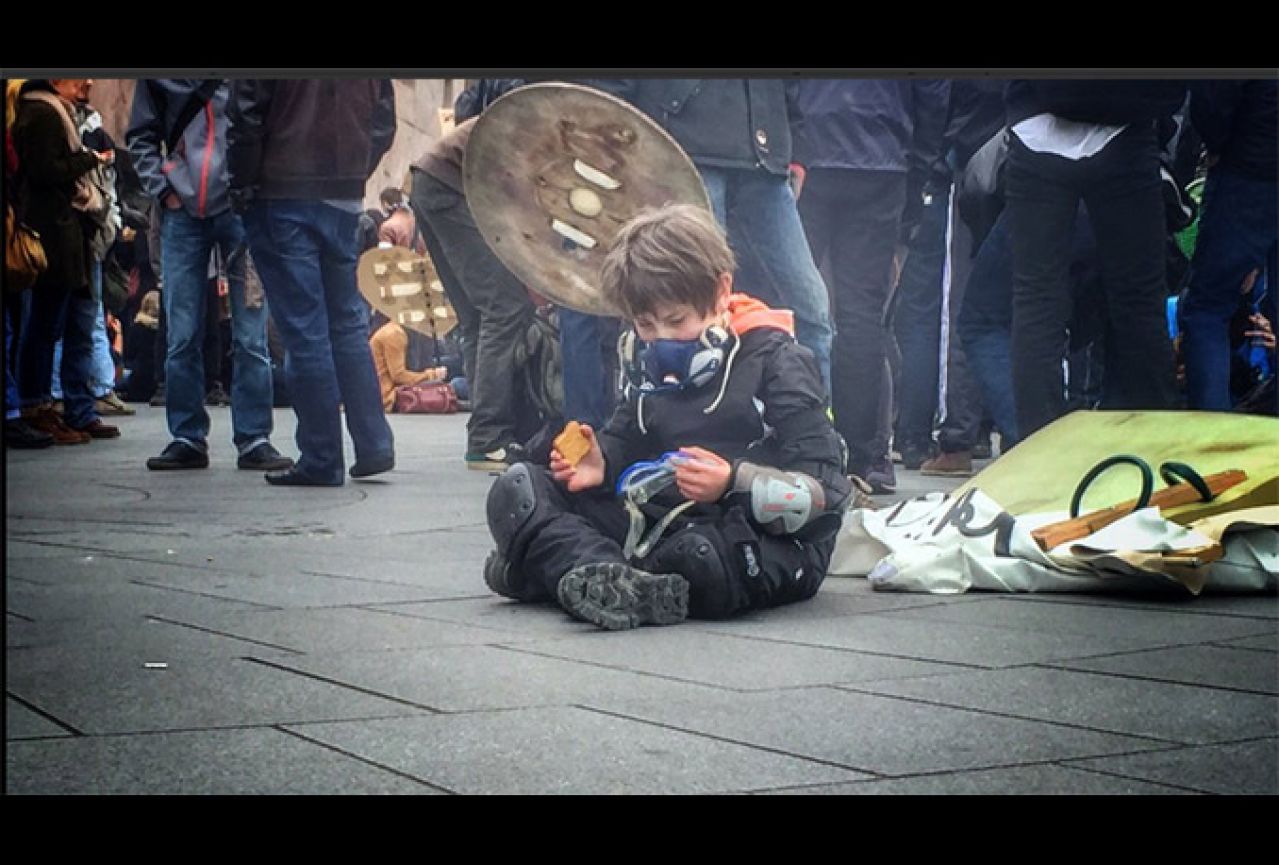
954 258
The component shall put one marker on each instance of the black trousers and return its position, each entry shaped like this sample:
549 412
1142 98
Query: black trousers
498 401
854 218
1121 189
567 530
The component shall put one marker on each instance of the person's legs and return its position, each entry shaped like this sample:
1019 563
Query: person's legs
588 390
504 309
870 205
961 425
348 335
251 388
916 323
774 262
79 401
985 327
286 248
185 247
468 317
1237 230
102 371
1125 205
45 319
1042 194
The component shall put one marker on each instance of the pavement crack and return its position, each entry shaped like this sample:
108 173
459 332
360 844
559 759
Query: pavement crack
1061 666
365 760
338 683
615 669
226 634
42 713
163 587
752 745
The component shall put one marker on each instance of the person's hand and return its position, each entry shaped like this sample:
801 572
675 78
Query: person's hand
106 157
438 373
589 471
1260 328
704 476
127 234
171 201
795 177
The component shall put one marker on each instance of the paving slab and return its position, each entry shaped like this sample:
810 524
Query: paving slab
22 723
110 602
876 734
94 696
472 678
1042 780
893 633
1162 710
565 751
507 619
1210 666
1268 643
1236 769
1255 606
728 661
213 762
1156 629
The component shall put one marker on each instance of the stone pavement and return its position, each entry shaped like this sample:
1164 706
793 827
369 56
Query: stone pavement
203 632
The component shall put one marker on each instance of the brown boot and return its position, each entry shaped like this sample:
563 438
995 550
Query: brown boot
958 464
46 420
98 430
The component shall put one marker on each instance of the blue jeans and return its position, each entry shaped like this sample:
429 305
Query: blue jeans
589 395
53 313
774 263
186 243
1237 232
102 368
305 252
985 328
11 400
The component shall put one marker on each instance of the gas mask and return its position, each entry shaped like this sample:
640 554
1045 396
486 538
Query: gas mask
675 364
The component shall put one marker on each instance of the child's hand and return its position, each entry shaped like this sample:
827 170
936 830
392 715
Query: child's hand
704 476
589 471
1261 328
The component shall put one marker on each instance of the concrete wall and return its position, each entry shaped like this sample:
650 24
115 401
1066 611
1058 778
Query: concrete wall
417 103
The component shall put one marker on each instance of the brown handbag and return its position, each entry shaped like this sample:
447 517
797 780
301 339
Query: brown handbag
24 258
432 397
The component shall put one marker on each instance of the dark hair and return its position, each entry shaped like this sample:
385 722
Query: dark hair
674 254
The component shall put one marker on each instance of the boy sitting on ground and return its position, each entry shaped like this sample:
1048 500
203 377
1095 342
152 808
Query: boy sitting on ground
717 378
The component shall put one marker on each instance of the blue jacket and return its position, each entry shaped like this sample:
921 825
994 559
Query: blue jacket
195 169
720 122
871 124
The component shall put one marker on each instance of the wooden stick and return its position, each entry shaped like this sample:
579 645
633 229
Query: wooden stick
1053 534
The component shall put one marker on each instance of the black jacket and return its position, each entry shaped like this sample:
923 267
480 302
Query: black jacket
47 173
1237 121
790 431
720 122
1107 102
309 138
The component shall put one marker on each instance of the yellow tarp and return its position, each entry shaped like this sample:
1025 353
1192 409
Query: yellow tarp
1041 473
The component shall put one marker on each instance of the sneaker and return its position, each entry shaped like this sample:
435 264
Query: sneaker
493 461
179 455
20 434
617 597
363 468
958 464
46 420
217 396
157 398
111 404
913 456
264 458
881 477
291 477
98 430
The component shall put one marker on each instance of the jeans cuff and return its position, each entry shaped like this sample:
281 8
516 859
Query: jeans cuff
202 447
252 443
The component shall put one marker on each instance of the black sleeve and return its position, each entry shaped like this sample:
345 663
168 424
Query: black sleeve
383 123
43 153
622 441
247 109
794 407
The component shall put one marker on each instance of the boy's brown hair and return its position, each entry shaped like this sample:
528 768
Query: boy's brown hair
673 254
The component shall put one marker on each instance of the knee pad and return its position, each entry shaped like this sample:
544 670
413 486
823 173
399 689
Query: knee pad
696 555
513 503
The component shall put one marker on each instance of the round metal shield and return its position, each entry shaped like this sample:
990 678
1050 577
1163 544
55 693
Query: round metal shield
405 287
553 171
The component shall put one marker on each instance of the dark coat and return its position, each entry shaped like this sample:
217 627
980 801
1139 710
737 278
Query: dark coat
47 173
1238 121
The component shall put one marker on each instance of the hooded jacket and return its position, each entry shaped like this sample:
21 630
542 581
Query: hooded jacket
180 111
767 409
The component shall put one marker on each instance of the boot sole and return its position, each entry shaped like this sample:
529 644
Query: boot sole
617 597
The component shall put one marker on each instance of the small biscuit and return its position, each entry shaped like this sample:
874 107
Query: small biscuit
572 443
